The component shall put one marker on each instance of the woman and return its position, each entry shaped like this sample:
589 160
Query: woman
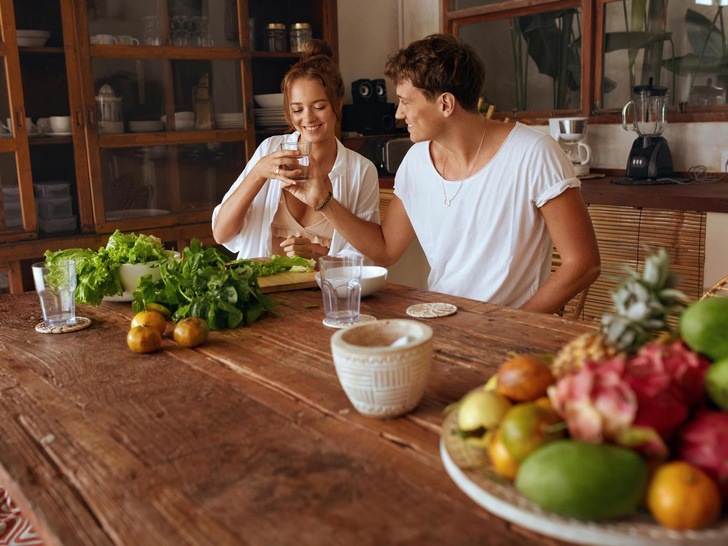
256 218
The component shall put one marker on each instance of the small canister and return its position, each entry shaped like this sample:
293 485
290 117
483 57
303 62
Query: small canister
300 34
276 36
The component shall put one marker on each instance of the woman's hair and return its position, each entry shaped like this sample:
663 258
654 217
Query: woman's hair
316 62
440 63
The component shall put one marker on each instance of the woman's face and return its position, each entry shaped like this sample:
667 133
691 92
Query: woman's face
311 112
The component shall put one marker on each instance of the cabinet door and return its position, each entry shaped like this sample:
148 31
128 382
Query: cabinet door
165 87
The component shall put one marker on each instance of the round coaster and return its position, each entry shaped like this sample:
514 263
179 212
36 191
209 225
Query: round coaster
80 324
361 320
431 310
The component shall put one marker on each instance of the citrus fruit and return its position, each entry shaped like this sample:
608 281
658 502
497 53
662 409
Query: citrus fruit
584 481
681 496
144 339
704 327
501 458
527 426
523 378
480 408
190 332
716 382
159 308
150 318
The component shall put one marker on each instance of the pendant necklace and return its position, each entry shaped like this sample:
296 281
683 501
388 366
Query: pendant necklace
448 200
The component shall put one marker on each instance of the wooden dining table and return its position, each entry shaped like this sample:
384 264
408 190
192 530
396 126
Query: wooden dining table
248 438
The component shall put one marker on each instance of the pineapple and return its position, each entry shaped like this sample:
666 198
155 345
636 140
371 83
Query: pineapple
643 306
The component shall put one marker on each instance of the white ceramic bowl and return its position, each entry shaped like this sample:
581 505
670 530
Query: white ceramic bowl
372 279
383 366
32 38
270 100
131 273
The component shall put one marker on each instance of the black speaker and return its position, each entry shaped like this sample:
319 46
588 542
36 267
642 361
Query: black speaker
380 90
371 118
362 91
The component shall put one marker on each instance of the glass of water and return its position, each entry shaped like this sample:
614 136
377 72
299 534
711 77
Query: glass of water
341 287
56 289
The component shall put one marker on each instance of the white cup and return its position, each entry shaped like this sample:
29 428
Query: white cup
44 125
31 127
98 39
127 40
56 289
341 287
60 124
303 150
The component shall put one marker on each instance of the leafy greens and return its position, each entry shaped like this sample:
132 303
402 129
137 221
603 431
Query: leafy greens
98 272
203 284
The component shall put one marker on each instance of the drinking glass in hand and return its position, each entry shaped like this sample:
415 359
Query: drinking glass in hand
303 148
341 287
56 289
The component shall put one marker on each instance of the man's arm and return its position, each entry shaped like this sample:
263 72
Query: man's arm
572 233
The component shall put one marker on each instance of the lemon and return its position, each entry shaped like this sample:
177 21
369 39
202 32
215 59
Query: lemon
584 481
704 327
481 409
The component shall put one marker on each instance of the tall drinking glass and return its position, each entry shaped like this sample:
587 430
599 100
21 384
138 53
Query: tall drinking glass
56 289
341 287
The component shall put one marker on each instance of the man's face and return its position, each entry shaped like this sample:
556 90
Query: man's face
420 114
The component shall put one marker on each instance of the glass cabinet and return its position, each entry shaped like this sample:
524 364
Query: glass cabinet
132 114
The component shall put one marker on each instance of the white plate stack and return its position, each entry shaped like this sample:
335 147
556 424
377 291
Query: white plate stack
150 126
232 120
270 118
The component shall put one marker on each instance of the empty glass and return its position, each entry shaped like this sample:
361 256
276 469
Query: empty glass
56 289
341 287
151 34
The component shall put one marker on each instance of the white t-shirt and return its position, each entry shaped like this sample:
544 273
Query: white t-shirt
491 244
355 185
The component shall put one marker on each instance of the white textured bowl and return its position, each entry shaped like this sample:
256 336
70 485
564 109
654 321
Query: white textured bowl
32 38
383 366
372 279
131 273
270 100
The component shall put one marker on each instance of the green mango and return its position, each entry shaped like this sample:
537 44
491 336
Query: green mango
584 481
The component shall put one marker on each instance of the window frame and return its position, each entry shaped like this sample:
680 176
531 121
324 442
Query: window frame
592 61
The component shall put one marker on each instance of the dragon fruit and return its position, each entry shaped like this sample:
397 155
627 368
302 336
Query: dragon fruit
703 442
637 401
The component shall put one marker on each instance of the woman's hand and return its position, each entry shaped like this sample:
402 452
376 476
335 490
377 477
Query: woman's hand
298 246
276 165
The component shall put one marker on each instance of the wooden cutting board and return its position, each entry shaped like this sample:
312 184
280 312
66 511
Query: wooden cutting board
287 281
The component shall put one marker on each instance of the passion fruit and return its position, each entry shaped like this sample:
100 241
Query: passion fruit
524 378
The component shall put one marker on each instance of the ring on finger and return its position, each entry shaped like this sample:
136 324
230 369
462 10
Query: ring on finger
278 170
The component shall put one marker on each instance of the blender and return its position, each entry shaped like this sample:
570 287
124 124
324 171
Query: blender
650 157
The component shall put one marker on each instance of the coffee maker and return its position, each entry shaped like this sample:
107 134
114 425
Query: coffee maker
650 157
570 133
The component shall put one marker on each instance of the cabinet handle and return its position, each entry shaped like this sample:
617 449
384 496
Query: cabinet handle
19 119
78 114
91 117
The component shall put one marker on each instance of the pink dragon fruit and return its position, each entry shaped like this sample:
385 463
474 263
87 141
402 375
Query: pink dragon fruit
637 402
703 441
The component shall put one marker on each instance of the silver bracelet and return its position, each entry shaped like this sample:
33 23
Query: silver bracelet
326 201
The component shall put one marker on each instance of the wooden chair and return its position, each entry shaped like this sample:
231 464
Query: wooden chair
719 289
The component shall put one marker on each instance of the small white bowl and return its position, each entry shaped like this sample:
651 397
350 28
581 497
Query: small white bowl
270 100
131 273
383 366
372 279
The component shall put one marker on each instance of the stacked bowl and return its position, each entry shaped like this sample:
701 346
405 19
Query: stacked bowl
270 114
183 121
231 120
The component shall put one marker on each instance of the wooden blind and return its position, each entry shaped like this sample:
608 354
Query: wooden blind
626 235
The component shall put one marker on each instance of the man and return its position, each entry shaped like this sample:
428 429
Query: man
485 199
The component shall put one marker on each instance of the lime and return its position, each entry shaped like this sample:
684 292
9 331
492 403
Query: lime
704 327
584 481
716 383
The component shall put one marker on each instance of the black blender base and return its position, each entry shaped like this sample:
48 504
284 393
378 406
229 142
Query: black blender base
648 181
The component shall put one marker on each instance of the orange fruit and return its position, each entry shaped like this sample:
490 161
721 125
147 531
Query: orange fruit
190 332
501 458
144 339
523 378
154 319
681 496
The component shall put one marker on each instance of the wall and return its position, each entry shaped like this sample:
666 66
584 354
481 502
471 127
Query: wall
370 31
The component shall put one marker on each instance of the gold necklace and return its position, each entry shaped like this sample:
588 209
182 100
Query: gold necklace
448 200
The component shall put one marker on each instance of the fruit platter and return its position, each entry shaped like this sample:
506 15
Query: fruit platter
620 438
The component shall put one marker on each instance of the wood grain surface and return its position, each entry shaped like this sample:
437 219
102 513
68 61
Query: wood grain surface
287 281
247 439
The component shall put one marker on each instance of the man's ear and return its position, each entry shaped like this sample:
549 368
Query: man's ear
447 104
